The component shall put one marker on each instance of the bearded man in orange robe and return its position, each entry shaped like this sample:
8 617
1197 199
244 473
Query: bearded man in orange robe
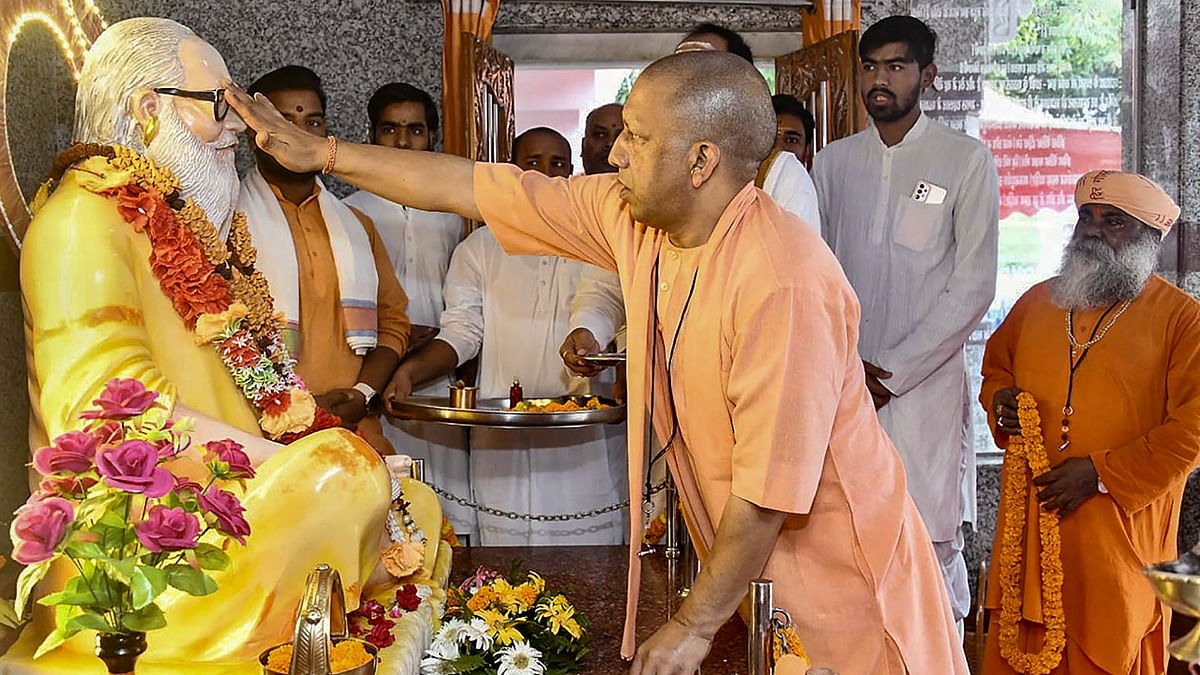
1111 354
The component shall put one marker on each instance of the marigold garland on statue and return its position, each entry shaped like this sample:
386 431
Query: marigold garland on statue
216 291
1027 451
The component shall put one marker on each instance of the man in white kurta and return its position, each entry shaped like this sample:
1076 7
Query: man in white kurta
512 312
419 244
911 209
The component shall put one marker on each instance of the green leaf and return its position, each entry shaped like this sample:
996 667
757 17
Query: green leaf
52 641
466 663
121 570
212 557
85 550
79 593
145 619
189 580
8 614
88 621
29 578
147 583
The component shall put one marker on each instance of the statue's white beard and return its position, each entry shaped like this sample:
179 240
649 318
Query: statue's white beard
206 172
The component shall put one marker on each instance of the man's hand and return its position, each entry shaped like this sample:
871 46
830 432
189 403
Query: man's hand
580 342
1068 485
673 650
398 390
1004 407
348 404
291 146
879 393
419 336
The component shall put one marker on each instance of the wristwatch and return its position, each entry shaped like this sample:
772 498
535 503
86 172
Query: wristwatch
367 391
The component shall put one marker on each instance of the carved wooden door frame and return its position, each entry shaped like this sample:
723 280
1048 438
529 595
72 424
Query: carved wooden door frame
824 77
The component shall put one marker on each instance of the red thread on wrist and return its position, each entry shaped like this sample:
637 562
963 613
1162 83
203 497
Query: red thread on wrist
332 158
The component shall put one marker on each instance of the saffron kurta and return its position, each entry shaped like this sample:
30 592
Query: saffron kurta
325 361
772 407
1136 408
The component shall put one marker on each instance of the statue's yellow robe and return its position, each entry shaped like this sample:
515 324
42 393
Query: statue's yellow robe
94 311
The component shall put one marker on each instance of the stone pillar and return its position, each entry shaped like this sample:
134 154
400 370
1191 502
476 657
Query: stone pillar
1166 141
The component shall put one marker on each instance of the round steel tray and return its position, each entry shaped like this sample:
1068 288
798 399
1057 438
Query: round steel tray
492 413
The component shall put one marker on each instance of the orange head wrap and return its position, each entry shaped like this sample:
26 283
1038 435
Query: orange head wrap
1136 195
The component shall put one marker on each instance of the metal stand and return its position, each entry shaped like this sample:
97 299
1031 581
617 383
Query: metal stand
762 609
671 510
417 471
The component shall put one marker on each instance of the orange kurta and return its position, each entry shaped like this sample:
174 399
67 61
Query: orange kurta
772 407
1136 408
326 362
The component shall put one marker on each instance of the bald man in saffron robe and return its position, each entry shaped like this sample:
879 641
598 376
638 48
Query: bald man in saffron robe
742 344
1111 353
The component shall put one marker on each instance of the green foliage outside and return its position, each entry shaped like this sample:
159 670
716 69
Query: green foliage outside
1060 39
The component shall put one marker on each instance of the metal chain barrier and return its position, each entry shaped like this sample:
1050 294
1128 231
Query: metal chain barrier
540 517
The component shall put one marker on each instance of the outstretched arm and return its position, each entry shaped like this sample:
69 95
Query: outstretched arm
431 181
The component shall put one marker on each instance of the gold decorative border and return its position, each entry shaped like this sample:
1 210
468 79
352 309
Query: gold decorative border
75 24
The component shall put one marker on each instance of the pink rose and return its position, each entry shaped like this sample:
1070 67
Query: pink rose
168 529
66 486
39 527
109 433
133 467
228 512
236 464
122 399
184 485
73 452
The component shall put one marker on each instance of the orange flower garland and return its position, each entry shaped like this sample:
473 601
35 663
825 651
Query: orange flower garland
214 287
1027 451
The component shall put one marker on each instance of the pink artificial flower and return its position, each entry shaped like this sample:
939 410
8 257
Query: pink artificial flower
109 433
66 486
121 400
168 529
228 512
184 485
72 452
39 527
235 462
133 467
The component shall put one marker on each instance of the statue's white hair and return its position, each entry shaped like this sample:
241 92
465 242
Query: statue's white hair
129 56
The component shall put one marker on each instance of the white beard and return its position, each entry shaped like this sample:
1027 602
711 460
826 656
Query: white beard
1093 275
206 173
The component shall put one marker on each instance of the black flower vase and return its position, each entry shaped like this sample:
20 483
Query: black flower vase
120 651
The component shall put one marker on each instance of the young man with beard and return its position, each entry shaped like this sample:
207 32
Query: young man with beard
419 244
911 210
1111 354
328 268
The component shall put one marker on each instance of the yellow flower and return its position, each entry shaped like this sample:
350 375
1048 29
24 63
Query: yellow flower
560 615
500 627
483 599
209 326
537 583
297 417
